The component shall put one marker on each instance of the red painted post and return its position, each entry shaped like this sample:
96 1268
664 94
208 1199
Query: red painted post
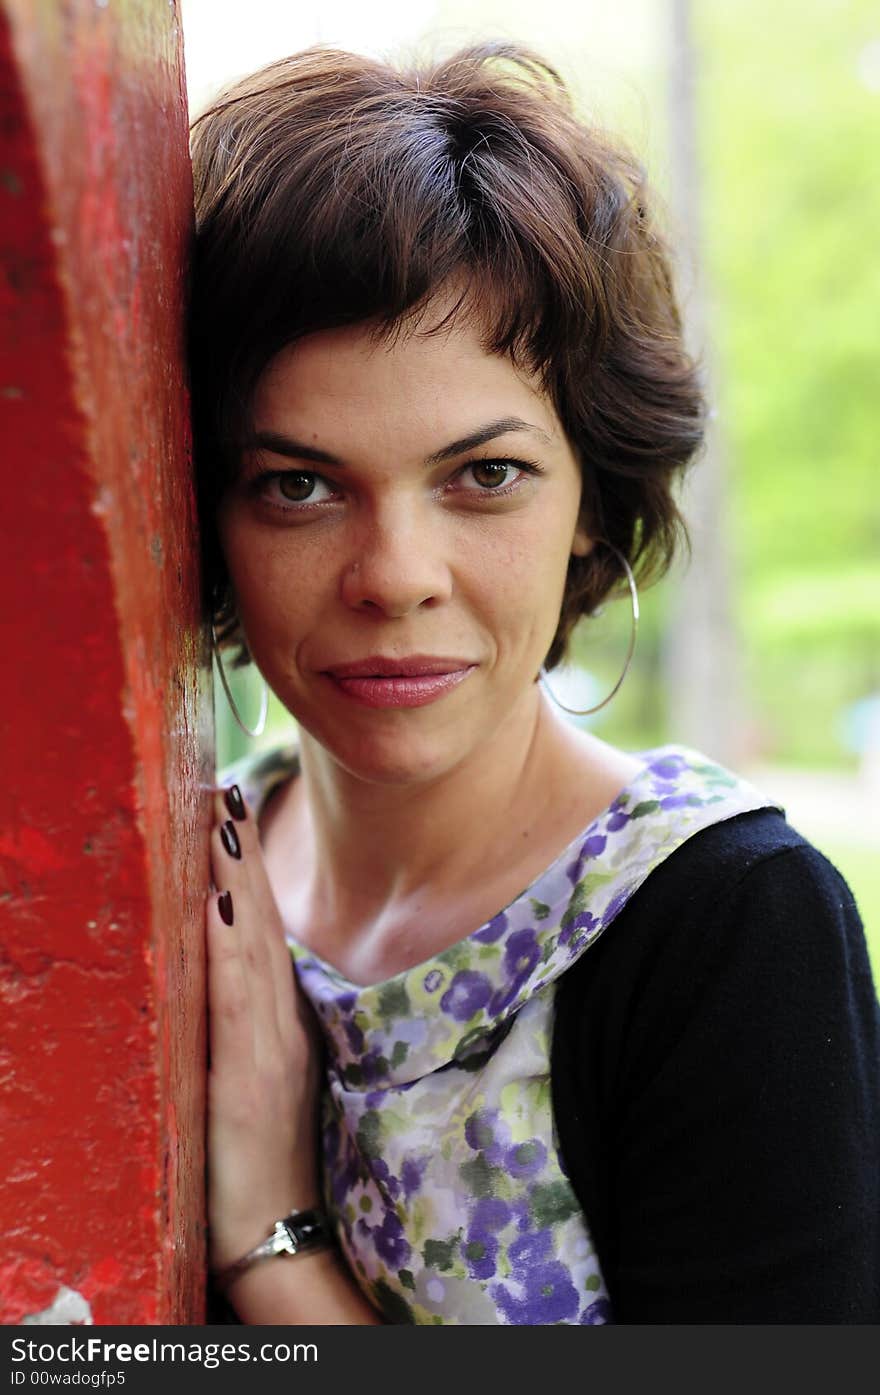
106 711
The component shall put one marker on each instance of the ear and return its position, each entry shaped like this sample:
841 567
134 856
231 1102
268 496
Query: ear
582 544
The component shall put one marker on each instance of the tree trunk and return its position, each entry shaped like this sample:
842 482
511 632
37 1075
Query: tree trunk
703 653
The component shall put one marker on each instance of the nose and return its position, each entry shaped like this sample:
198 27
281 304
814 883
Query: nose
398 564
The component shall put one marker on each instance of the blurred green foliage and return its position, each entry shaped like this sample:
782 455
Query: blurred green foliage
790 106
788 103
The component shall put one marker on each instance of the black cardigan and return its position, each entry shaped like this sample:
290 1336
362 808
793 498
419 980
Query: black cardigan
716 1088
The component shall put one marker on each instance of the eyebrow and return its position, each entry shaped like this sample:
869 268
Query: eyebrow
279 444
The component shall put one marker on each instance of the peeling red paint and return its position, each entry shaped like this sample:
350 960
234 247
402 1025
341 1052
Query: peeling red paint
103 831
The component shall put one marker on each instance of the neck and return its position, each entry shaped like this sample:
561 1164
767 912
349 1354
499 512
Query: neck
379 854
387 875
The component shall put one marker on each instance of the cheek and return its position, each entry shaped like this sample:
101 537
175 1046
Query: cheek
274 587
538 556
517 583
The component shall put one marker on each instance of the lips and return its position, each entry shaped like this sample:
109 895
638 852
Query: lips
407 666
413 680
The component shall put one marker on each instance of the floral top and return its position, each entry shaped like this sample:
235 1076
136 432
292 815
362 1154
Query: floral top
442 1169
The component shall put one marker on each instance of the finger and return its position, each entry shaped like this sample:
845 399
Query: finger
247 832
261 928
243 828
230 1014
268 915
249 932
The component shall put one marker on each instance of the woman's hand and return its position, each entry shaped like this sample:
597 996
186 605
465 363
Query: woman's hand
263 1080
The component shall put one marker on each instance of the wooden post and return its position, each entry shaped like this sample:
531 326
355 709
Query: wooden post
106 719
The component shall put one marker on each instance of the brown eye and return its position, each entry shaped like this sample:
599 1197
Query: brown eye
490 473
296 485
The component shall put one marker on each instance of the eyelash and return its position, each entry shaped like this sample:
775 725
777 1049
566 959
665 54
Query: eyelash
258 485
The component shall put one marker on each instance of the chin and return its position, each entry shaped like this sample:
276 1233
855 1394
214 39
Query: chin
389 754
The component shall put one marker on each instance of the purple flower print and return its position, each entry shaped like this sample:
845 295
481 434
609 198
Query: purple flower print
372 1065
354 1036
525 1159
527 1250
584 921
616 904
521 954
479 1252
662 789
346 1172
667 767
432 980
490 1213
493 931
342 1180
548 1295
522 1213
386 1179
616 820
346 1001
467 993
597 1314
345 1178
411 1174
487 1134
391 1245
677 801
593 846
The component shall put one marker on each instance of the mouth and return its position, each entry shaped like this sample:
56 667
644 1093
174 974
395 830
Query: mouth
413 680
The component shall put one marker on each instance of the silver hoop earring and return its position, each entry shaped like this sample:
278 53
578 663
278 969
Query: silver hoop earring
264 701
634 630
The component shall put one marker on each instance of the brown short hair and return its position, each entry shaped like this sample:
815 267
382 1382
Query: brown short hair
333 189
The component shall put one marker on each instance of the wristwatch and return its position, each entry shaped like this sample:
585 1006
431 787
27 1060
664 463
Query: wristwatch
299 1233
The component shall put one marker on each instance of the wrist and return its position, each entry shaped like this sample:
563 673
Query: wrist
317 1289
293 1235
234 1229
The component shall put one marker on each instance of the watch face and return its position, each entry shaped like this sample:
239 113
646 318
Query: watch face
304 1228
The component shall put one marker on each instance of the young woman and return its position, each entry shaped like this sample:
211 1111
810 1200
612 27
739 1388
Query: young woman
574 1035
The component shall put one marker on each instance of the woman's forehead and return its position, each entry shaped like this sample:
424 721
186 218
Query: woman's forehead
349 368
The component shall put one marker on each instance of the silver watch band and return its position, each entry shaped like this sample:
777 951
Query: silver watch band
299 1233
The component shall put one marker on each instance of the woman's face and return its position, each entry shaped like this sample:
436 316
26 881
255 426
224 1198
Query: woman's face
398 541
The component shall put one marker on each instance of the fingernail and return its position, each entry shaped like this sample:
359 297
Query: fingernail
224 906
235 803
230 839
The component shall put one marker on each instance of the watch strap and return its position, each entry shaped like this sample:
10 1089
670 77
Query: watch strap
299 1233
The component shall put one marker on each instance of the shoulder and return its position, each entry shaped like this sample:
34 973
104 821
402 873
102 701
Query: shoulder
745 921
750 871
733 848
716 1086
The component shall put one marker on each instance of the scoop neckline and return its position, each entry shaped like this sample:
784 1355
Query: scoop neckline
301 951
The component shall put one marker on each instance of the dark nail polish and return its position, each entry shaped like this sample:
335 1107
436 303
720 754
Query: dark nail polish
224 906
235 803
230 839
